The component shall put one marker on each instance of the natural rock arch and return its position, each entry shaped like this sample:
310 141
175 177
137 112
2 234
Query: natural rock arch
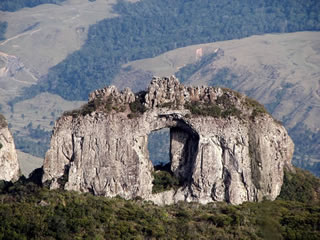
224 146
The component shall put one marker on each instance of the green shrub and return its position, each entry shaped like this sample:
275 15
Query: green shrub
97 104
204 109
213 110
232 111
224 100
163 181
300 186
137 106
258 109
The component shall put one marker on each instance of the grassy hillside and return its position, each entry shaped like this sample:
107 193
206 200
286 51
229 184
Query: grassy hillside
150 27
31 212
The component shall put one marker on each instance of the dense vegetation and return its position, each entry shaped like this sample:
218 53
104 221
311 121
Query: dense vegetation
300 186
28 211
225 107
164 180
14 5
3 28
150 27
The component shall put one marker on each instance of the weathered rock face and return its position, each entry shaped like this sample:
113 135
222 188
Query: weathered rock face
224 147
9 165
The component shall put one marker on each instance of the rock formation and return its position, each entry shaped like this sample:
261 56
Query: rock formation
224 146
9 165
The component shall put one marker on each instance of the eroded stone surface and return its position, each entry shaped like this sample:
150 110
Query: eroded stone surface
9 165
232 152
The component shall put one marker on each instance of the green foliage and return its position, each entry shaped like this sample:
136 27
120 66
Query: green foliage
226 101
98 104
14 5
3 29
137 106
223 107
204 109
258 108
1 145
163 181
28 211
300 186
70 215
150 27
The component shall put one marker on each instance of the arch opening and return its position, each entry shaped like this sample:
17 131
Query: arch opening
172 151
159 147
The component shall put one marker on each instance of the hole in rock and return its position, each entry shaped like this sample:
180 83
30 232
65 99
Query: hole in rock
159 148
172 152
159 153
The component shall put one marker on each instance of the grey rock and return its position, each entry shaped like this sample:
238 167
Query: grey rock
9 165
229 151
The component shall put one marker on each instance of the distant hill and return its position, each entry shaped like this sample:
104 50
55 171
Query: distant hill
150 27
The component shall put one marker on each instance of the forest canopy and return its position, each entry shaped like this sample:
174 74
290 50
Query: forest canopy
28 211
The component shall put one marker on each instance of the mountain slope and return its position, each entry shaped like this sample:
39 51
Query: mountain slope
150 27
